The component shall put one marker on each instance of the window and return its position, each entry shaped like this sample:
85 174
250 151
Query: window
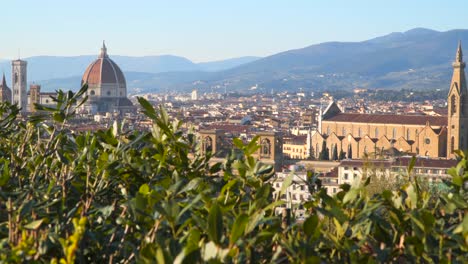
394 133
454 105
334 190
427 141
92 92
376 132
343 131
208 144
346 168
345 176
355 168
328 130
265 148
108 93
452 144
359 132
354 175
408 134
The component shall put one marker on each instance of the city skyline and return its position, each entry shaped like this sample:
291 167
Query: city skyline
206 31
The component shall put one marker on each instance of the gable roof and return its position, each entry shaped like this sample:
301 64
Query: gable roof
389 119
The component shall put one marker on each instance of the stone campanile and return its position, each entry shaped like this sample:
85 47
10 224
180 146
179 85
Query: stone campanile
457 137
19 84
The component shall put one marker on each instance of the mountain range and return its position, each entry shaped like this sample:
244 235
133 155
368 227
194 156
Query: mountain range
416 59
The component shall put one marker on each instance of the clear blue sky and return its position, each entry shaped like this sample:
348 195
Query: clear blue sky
204 30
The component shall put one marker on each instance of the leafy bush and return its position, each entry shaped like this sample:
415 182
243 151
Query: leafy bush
121 196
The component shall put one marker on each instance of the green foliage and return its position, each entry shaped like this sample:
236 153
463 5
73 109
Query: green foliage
325 152
125 196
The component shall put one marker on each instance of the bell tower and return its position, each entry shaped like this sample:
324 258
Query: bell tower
19 83
457 136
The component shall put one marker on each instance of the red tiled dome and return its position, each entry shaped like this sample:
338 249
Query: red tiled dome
103 71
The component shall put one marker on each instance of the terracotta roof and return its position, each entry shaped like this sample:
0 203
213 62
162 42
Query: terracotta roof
103 70
390 119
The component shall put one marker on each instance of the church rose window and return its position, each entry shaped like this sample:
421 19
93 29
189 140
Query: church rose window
427 141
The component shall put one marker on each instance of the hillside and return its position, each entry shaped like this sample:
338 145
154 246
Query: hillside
416 59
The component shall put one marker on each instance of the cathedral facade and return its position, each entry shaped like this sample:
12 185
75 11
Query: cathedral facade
357 135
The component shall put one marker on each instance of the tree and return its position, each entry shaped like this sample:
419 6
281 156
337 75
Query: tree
342 155
325 152
335 153
121 196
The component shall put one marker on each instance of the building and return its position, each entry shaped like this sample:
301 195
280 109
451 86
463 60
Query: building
295 147
19 83
219 143
5 92
195 95
358 135
433 170
107 87
35 96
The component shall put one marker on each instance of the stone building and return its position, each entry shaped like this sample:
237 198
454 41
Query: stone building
107 87
19 84
219 143
5 92
35 96
432 136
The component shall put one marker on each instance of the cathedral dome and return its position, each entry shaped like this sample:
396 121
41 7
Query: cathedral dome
104 71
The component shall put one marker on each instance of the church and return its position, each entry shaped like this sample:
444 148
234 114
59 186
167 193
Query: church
357 135
107 88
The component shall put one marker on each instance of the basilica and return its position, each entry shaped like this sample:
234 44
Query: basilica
107 88
357 135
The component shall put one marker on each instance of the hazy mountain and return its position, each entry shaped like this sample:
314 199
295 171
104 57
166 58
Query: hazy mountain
418 59
226 64
50 68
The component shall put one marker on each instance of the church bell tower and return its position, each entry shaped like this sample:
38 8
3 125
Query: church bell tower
457 129
19 83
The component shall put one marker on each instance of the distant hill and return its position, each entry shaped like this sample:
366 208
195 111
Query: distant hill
55 72
416 59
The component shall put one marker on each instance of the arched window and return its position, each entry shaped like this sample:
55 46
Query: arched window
394 133
452 145
16 77
92 92
265 148
350 151
207 144
376 132
408 134
454 104
359 132
343 131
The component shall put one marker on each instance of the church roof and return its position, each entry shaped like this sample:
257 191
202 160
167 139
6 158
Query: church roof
389 119
103 70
